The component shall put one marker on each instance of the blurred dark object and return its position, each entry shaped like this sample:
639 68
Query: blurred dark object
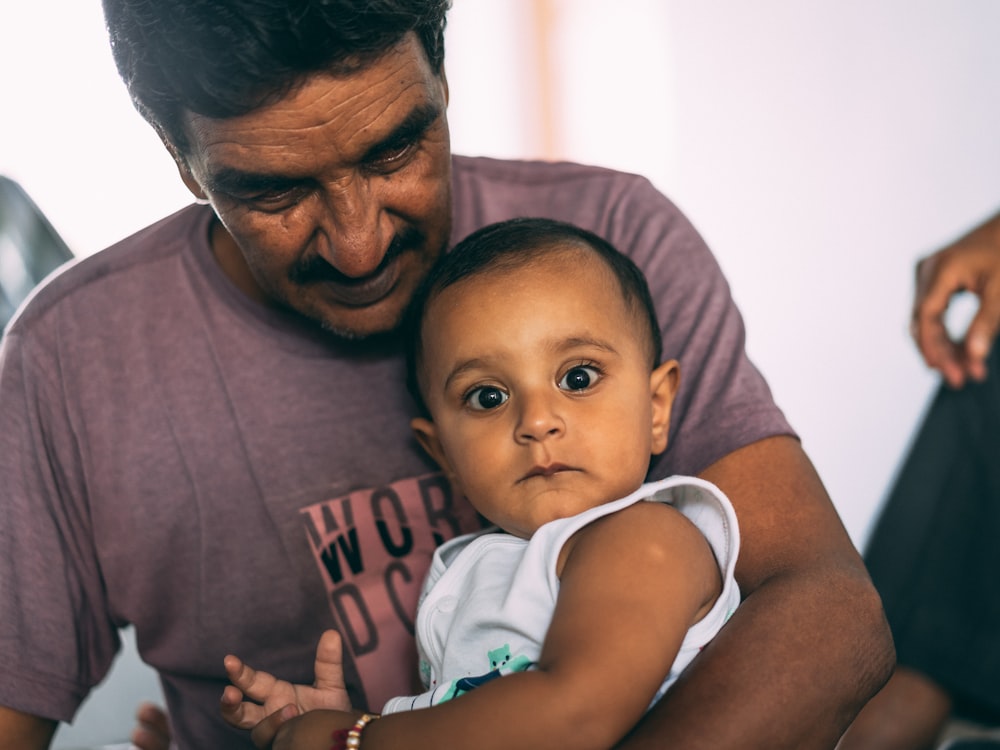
29 247
934 552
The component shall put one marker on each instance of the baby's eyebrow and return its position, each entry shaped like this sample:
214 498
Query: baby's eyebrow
558 346
461 368
576 342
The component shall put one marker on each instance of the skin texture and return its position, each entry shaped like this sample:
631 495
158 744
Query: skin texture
328 691
529 343
538 381
809 644
577 671
152 728
19 731
909 713
971 264
763 682
334 201
312 193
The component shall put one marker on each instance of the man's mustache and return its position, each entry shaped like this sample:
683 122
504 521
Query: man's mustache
316 270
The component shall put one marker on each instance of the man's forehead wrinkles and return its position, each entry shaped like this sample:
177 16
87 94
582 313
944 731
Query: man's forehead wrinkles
385 107
352 97
336 106
354 121
229 156
376 119
264 148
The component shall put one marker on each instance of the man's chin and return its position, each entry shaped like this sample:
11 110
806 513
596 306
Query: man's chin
352 322
361 324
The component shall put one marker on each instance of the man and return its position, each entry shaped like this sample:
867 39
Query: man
205 427
932 553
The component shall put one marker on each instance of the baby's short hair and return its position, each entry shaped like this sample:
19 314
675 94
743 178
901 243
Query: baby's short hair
516 243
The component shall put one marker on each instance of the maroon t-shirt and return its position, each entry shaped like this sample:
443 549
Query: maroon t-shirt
229 479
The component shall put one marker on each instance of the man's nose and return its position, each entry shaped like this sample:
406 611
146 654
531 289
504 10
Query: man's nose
539 418
355 232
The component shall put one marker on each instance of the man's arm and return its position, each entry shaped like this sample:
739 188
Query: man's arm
20 731
809 645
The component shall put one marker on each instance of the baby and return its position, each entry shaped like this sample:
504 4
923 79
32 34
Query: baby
535 358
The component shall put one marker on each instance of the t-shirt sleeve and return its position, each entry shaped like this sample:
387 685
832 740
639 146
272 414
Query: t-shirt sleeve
723 402
713 515
56 638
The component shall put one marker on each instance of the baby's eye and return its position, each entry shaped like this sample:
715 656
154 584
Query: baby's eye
485 397
579 378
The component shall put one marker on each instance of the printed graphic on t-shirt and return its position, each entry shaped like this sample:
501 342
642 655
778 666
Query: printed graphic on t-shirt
501 663
497 662
372 548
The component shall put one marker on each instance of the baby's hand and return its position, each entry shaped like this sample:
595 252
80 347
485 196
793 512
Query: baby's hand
267 694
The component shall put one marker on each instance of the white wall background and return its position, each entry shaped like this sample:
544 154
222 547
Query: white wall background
821 146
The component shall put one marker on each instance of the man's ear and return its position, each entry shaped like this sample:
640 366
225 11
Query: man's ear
184 170
663 384
426 434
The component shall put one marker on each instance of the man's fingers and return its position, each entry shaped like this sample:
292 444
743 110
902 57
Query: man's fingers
936 346
940 352
930 302
153 730
972 264
936 283
956 360
154 717
144 739
981 334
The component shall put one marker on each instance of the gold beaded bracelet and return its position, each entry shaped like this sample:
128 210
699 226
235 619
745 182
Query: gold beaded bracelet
351 738
354 736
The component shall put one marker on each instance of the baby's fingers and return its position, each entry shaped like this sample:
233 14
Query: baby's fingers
238 712
256 685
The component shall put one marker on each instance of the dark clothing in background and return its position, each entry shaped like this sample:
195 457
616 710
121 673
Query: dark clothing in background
935 552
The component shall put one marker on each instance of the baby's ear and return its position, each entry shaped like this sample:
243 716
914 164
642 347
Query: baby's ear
663 384
426 434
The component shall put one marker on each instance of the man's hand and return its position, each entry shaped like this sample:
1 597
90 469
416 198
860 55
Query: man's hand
153 729
273 701
972 264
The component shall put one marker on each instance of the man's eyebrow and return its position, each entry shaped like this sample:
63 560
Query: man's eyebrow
237 182
410 130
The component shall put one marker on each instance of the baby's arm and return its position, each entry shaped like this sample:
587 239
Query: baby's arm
268 694
631 585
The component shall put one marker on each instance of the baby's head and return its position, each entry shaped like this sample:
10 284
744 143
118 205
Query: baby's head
534 352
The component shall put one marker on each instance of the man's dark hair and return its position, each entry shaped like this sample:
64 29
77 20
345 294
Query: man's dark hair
512 244
223 58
